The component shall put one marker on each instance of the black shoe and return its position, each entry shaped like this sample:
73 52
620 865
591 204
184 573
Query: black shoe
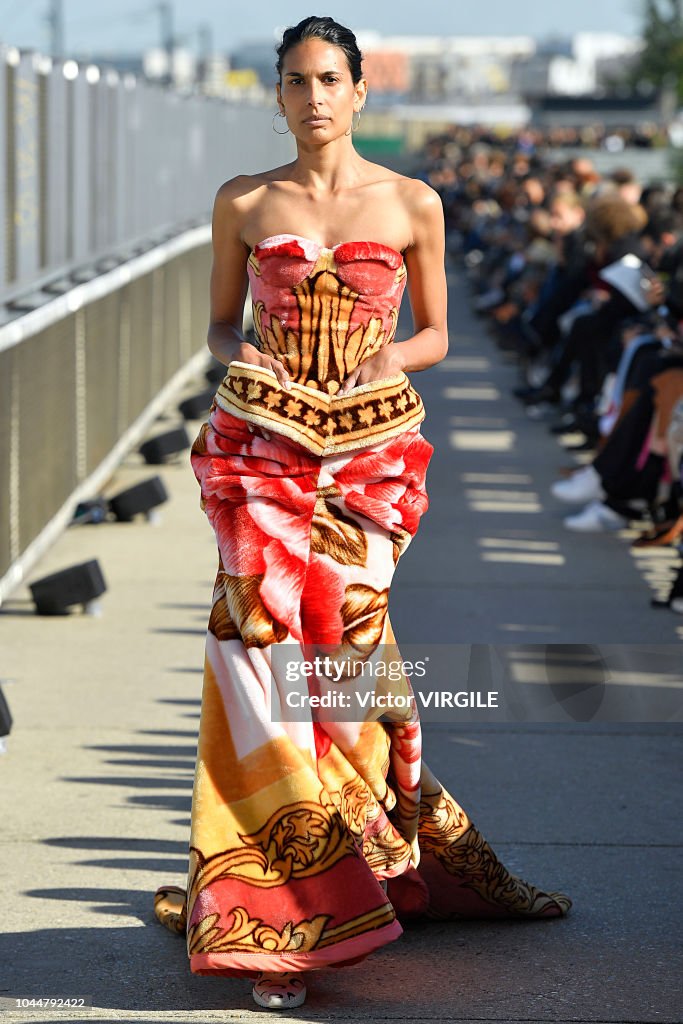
589 445
523 391
505 342
587 422
546 393
666 511
565 425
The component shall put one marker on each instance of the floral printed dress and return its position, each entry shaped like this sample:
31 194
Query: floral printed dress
313 498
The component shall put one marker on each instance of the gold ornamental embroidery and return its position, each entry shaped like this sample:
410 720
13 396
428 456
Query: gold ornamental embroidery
447 833
302 840
441 821
272 400
385 848
353 801
252 935
298 841
323 423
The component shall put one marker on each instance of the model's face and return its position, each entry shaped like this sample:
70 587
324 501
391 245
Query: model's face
317 92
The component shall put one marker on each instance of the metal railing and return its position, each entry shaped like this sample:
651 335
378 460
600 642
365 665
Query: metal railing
92 161
110 181
81 380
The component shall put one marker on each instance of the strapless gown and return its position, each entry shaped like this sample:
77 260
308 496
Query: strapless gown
313 498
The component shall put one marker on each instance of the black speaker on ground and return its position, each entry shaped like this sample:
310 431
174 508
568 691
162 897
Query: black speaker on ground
79 584
5 716
197 406
138 500
160 448
216 372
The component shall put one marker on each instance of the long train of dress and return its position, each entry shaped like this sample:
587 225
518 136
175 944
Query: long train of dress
294 823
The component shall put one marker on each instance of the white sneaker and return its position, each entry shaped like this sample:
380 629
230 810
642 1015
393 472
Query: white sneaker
582 486
596 518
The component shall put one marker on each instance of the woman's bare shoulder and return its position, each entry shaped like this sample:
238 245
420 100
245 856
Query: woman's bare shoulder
418 195
423 207
414 193
246 184
238 199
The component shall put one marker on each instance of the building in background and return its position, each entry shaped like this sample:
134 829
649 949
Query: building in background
438 68
490 79
582 65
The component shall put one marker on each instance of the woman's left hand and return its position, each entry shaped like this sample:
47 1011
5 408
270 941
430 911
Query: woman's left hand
385 363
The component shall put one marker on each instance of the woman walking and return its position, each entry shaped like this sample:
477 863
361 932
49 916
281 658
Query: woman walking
311 838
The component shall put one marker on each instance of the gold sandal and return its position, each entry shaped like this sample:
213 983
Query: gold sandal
170 907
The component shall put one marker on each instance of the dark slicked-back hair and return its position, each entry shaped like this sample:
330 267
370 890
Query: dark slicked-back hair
330 31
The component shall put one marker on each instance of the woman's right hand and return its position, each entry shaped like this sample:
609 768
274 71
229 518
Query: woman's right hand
250 354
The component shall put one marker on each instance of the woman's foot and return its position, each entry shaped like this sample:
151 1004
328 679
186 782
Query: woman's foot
170 907
279 991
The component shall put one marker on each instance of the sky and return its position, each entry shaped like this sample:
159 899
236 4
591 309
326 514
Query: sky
130 26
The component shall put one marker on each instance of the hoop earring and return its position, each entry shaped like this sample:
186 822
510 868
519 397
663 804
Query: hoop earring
278 113
352 129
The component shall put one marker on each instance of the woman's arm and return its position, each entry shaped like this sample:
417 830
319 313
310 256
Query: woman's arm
427 286
428 292
229 282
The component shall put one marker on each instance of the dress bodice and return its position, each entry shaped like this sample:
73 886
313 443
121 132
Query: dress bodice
322 311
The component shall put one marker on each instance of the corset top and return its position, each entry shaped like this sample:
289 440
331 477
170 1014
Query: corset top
323 311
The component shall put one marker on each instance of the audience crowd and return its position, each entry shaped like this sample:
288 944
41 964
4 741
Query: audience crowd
594 135
580 277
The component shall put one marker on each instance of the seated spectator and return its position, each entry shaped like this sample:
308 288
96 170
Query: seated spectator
580 277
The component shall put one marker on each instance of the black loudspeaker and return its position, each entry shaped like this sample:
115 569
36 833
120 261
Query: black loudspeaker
158 449
139 499
79 584
197 406
216 372
5 716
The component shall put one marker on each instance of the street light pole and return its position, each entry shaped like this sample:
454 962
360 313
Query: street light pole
55 21
167 38
205 33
